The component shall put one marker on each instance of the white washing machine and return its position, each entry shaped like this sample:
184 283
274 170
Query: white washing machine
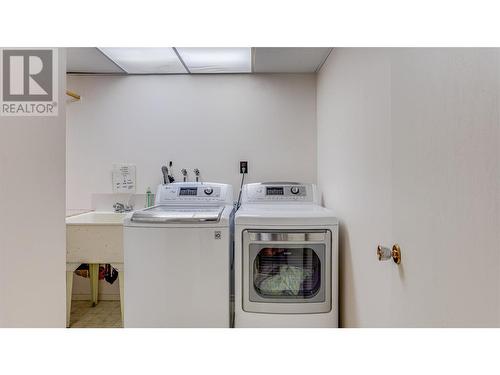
177 258
286 258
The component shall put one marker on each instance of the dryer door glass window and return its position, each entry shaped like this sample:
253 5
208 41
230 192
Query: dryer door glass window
287 273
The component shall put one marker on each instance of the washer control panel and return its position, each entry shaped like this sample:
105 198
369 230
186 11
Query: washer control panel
279 192
194 192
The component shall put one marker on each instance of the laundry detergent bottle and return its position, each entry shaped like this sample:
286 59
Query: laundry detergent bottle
149 198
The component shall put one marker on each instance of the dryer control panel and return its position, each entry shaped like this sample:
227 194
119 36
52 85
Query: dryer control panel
194 193
279 192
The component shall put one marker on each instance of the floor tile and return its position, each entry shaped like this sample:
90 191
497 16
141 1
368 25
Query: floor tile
106 314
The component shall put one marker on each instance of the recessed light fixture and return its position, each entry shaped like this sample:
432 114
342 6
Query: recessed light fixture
146 60
217 60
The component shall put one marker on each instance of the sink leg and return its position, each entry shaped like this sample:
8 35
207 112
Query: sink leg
94 282
121 278
69 293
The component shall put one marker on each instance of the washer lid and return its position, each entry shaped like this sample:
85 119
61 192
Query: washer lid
178 214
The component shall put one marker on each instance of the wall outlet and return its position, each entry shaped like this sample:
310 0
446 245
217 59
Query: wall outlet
243 167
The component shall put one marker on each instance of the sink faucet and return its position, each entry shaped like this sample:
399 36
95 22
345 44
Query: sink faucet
121 208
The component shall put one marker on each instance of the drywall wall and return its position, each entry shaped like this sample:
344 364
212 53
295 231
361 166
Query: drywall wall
208 122
408 153
354 175
32 228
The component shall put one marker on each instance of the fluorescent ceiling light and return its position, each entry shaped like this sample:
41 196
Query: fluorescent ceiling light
146 60
217 60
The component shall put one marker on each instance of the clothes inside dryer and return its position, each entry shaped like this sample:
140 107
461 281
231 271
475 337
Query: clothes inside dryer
287 273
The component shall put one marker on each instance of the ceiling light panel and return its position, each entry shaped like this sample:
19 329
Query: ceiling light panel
146 60
217 60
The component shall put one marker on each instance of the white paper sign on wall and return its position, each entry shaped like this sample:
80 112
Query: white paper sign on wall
123 178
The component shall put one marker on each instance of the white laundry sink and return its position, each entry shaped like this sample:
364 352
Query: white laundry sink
95 237
96 218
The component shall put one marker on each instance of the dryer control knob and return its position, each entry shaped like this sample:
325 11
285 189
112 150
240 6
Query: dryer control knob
295 190
208 191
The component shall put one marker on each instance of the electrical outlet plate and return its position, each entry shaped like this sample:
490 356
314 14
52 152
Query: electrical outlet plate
243 167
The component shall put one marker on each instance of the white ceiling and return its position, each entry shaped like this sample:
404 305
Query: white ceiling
265 60
89 60
289 60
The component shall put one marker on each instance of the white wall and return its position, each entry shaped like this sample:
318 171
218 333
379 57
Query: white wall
32 228
207 122
354 156
408 152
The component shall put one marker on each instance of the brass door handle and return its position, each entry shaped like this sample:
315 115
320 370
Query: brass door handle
385 253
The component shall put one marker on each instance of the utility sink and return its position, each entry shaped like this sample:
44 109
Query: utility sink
96 218
95 237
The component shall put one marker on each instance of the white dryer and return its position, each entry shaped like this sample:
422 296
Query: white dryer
177 258
286 258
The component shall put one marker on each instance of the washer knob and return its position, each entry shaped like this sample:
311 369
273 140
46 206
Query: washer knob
295 190
208 191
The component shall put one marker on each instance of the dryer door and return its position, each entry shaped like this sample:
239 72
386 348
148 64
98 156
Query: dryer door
287 272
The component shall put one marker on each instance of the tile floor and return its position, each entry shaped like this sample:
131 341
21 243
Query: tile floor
105 315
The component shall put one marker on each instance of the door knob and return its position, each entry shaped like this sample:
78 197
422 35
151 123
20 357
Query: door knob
385 253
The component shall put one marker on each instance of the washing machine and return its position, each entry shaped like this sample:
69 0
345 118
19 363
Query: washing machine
286 258
177 258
